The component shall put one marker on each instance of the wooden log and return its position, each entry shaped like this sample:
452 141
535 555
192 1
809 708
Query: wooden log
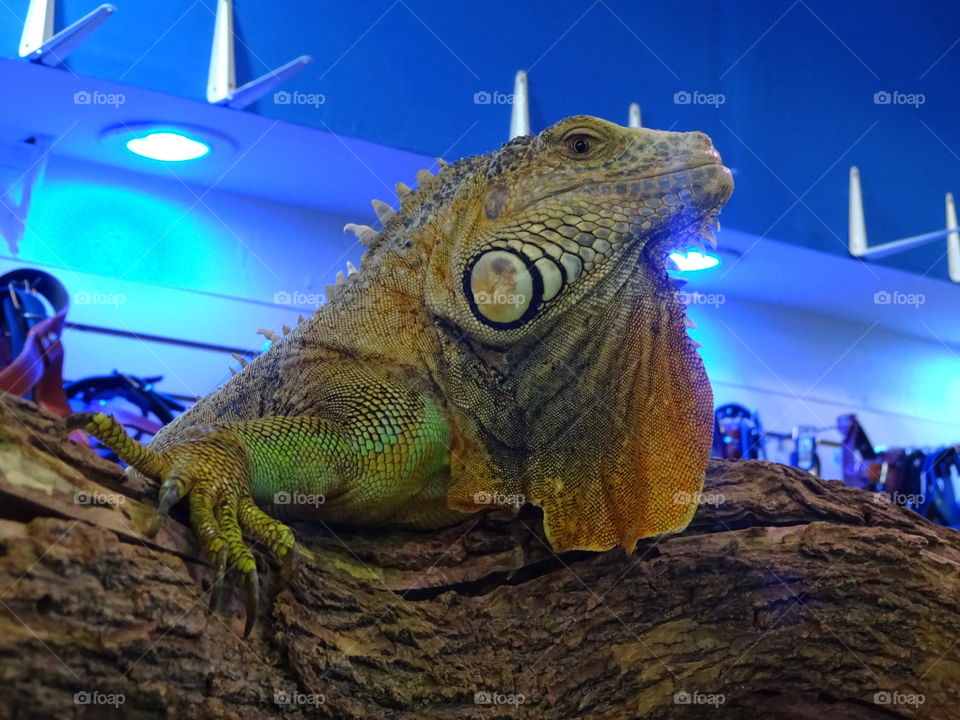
787 597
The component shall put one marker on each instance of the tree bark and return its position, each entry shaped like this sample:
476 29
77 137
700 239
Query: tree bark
787 597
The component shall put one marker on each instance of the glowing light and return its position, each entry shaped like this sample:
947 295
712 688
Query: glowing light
692 260
167 146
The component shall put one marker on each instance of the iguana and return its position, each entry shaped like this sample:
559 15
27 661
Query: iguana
512 336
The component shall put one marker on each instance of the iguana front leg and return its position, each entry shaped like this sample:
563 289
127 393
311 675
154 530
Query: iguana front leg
385 463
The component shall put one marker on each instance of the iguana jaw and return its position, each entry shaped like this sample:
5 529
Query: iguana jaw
676 208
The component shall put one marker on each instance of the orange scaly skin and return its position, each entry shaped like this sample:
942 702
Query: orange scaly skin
512 336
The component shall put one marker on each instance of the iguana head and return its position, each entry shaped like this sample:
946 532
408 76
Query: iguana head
561 340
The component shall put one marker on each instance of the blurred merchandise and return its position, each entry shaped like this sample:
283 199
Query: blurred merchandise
737 433
804 454
923 480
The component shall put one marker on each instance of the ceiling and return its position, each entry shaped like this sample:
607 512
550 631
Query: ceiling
798 80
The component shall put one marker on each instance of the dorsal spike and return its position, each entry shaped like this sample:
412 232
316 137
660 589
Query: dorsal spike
299 319
679 282
286 329
341 279
351 268
403 192
384 212
268 334
707 234
423 176
233 373
688 323
441 163
331 291
365 234
240 359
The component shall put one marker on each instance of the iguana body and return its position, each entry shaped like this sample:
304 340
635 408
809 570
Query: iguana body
512 336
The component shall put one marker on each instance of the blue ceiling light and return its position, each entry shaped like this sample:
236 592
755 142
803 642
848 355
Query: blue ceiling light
693 260
166 143
167 146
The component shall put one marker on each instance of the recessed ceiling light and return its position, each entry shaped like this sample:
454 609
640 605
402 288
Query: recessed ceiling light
167 146
165 142
693 260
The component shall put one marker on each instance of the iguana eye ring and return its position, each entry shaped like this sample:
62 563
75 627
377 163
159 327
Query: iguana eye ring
503 288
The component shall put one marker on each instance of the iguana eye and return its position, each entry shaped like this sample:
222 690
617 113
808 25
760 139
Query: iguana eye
502 289
579 144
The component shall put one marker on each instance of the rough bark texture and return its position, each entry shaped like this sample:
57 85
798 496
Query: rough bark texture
787 597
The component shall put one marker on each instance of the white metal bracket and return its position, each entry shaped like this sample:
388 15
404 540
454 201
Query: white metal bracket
858 232
634 118
222 78
29 161
39 44
520 113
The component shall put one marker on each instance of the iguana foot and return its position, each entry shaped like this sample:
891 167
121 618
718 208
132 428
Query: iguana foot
212 470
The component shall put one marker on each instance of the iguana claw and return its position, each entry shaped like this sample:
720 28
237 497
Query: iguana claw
252 607
170 493
218 589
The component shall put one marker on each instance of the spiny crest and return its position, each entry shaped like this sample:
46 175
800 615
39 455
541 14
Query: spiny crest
333 290
269 335
417 205
410 200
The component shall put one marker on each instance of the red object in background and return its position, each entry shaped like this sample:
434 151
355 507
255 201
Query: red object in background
39 367
31 344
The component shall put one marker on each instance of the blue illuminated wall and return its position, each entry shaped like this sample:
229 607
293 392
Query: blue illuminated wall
140 255
136 227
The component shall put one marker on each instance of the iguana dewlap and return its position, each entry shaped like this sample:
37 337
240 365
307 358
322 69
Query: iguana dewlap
511 336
